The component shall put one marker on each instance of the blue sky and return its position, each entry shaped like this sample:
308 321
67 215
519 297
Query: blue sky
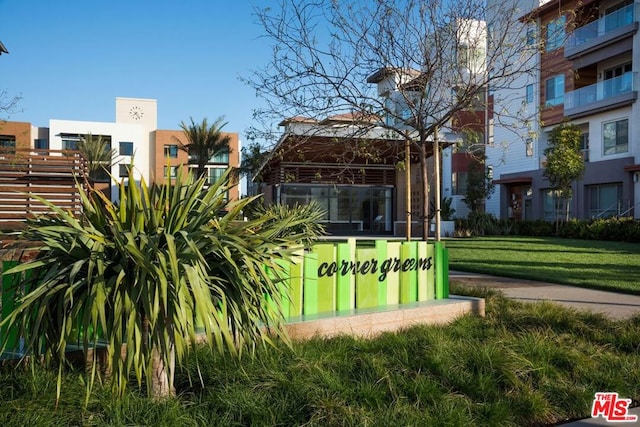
70 59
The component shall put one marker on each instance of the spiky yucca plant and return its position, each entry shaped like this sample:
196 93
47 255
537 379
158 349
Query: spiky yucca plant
149 272
288 216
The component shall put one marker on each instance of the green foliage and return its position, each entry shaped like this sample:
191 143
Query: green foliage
253 156
479 184
289 217
537 227
616 229
565 163
98 154
204 141
151 272
447 211
478 224
520 365
625 229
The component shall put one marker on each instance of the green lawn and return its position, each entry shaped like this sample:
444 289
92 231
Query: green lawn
521 365
587 263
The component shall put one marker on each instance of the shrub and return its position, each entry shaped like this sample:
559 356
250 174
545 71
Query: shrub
613 229
573 229
289 217
483 223
537 228
148 272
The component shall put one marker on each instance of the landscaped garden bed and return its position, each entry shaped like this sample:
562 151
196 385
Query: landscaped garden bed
523 364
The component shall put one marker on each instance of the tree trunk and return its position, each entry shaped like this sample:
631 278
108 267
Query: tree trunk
407 176
436 170
161 375
160 379
201 171
425 191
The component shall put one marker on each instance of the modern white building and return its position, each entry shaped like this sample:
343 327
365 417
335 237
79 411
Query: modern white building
130 136
135 138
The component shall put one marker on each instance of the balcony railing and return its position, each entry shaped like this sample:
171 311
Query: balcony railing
601 95
602 27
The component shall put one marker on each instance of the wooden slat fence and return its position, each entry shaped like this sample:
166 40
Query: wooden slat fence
50 174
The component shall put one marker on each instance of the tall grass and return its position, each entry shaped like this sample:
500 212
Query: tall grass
521 365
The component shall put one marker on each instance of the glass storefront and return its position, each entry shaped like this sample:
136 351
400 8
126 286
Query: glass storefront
348 209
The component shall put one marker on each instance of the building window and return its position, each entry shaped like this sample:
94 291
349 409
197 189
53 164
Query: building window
126 148
221 157
615 137
605 200
490 135
531 35
617 80
529 147
584 146
215 174
173 170
171 151
41 144
347 209
529 94
70 142
463 56
470 57
123 171
7 144
459 183
554 90
618 15
554 206
555 34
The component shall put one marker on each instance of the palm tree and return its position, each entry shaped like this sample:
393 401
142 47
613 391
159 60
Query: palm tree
97 152
204 142
149 272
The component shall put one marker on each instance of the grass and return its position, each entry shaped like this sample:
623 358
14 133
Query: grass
613 266
521 365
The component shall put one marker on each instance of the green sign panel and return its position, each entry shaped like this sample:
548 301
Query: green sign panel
336 277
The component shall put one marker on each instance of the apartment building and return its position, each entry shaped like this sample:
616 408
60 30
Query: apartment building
585 74
135 137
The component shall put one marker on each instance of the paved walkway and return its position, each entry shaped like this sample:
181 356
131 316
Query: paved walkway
614 305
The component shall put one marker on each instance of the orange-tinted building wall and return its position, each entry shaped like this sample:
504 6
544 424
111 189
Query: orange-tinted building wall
554 63
162 138
21 131
234 162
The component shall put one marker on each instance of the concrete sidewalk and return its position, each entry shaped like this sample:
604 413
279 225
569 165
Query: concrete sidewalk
612 304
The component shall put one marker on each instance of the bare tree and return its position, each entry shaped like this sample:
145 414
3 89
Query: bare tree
8 104
416 65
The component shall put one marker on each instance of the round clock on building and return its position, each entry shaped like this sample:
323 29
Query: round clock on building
136 113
